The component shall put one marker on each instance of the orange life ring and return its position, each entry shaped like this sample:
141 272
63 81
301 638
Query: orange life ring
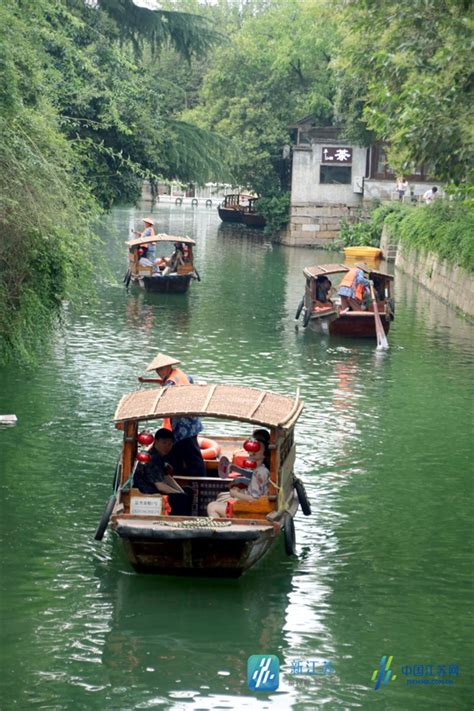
209 448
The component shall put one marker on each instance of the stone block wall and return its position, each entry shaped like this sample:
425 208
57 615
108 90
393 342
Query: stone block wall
452 284
316 224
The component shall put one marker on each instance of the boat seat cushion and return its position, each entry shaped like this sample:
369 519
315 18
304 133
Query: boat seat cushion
254 509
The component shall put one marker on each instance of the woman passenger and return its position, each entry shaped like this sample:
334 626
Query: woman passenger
246 488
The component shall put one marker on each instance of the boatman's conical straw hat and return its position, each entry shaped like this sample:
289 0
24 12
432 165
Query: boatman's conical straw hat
364 267
161 361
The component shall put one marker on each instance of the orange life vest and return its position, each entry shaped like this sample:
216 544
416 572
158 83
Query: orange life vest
359 292
178 378
349 278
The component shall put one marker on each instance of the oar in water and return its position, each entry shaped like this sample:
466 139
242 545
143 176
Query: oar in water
382 343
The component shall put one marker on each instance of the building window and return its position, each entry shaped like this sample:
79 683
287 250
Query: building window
335 175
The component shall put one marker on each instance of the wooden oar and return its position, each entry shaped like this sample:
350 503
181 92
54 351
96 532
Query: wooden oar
382 343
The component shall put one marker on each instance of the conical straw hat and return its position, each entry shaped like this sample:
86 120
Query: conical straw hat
160 361
364 267
148 220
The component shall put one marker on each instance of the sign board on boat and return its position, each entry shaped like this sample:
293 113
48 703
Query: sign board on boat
146 505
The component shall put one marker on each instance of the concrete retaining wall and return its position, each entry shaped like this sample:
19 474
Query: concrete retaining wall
452 284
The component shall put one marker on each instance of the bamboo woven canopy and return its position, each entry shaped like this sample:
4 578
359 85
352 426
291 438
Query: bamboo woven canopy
325 269
231 402
162 237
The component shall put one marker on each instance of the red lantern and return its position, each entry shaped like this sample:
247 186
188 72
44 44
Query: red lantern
145 438
250 464
143 457
251 445
140 252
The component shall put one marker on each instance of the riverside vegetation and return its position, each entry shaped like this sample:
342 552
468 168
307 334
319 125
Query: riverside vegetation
98 96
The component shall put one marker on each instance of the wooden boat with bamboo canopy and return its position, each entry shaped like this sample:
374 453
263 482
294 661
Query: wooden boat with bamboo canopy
329 316
238 207
172 273
157 541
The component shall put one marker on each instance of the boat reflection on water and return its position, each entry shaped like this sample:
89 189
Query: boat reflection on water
148 311
166 634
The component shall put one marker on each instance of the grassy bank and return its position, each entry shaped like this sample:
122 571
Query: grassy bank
445 228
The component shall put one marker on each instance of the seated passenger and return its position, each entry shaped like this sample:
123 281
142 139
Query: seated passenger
154 477
249 487
176 259
323 287
144 260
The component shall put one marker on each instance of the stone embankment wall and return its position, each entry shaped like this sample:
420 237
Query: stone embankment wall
452 284
316 225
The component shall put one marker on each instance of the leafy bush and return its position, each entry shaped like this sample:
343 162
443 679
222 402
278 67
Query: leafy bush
275 210
368 231
445 228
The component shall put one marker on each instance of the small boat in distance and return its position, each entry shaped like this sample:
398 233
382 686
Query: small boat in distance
171 273
329 315
238 207
155 540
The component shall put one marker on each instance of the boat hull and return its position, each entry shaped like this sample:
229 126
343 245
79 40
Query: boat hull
249 219
173 284
357 325
229 215
196 552
253 219
352 324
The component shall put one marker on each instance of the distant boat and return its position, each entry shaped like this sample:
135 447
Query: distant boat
238 207
157 277
342 322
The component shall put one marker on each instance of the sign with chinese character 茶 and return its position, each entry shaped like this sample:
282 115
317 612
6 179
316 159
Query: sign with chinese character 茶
336 155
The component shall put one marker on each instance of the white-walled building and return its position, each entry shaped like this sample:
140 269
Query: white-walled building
332 180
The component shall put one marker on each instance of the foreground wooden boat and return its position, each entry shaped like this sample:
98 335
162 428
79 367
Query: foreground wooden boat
196 544
238 207
330 317
155 278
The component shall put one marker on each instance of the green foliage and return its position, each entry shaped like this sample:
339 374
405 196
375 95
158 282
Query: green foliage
267 77
404 76
275 210
368 231
189 33
82 122
445 228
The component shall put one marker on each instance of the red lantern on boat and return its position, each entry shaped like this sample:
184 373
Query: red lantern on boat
250 464
251 445
145 438
143 457
140 252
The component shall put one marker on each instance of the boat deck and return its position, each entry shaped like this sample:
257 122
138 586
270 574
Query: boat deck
181 527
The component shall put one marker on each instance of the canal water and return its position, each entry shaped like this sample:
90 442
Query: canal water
384 563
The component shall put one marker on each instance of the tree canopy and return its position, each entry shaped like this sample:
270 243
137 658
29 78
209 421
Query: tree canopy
83 119
404 75
274 70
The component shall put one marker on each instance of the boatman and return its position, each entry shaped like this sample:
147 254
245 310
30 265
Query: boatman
185 457
351 289
148 231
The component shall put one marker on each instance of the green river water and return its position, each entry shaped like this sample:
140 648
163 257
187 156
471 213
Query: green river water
384 446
